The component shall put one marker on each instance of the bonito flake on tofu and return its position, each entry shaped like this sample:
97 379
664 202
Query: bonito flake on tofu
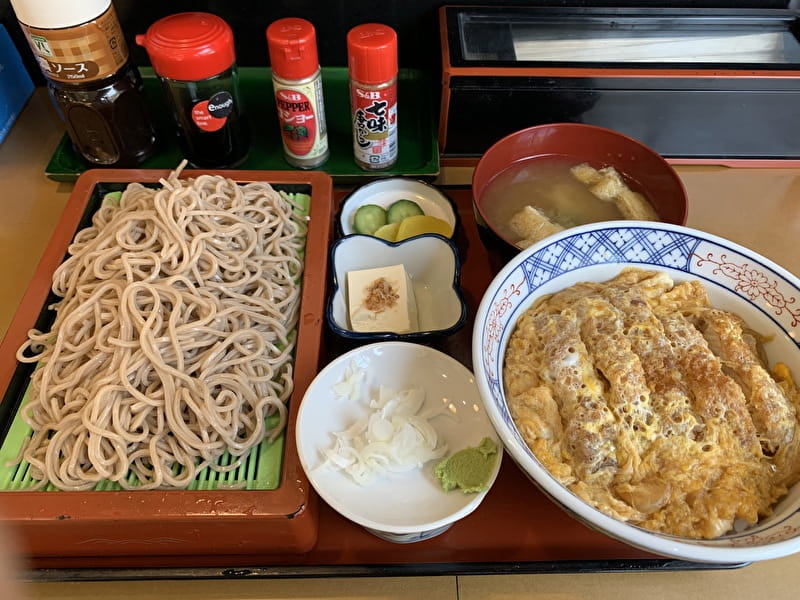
652 405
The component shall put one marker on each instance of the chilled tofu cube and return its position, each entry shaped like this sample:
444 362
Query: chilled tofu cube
381 299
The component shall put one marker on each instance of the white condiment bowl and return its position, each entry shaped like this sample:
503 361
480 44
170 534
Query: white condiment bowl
431 262
399 507
764 294
383 192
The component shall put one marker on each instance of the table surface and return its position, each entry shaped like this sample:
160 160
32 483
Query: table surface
758 208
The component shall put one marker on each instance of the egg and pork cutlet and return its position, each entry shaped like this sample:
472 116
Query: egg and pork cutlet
652 405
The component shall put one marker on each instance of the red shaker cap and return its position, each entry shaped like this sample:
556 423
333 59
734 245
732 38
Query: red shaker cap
189 46
292 47
372 53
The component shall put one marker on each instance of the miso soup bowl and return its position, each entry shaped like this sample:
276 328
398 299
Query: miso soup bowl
642 169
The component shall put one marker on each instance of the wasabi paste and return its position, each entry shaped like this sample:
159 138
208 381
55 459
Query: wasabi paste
468 469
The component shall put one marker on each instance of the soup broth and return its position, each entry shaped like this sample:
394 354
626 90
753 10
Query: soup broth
548 185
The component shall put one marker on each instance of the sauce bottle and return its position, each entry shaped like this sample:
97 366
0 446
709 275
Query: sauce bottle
372 61
297 81
194 57
96 89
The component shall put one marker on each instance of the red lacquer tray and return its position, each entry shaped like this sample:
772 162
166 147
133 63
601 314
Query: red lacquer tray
516 529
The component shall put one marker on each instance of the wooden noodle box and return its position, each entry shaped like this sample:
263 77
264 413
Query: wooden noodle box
151 523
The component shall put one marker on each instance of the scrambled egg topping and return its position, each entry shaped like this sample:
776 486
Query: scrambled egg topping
653 406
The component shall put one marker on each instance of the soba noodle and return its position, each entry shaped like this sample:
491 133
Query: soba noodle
173 340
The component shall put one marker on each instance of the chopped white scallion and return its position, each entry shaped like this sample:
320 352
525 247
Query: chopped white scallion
350 385
393 437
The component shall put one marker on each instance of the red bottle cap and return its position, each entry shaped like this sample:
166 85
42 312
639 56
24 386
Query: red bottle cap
189 46
372 53
292 47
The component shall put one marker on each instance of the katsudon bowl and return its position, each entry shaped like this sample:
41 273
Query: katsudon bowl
736 279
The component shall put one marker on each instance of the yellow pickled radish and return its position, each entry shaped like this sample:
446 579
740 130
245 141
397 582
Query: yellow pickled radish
387 232
419 224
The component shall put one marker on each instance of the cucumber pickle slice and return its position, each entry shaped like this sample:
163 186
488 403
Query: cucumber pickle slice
369 218
401 209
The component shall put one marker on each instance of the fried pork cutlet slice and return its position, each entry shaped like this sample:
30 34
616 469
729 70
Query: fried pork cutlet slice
603 331
772 412
523 359
684 298
787 458
715 395
536 415
590 430
557 303
651 283
669 394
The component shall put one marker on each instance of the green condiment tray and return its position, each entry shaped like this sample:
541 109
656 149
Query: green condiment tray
418 146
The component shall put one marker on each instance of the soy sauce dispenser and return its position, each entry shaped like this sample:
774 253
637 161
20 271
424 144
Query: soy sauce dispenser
93 83
194 57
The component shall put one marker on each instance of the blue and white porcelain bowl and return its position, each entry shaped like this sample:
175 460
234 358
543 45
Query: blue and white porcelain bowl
766 295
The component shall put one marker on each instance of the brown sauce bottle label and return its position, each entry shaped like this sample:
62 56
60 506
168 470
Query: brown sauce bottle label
87 52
